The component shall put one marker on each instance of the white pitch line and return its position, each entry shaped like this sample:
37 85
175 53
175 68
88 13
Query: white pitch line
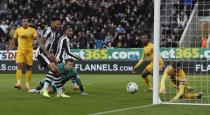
119 110
88 83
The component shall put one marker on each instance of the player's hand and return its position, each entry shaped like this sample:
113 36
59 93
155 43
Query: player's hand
75 87
57 60
8 50
51 56
80 59
133 70
173 100
162 91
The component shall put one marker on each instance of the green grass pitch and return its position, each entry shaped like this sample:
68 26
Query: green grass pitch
107 95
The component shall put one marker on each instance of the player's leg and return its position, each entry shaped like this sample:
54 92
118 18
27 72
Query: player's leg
188 95
52 88
145 73
192 96
45 62
28 77
19 61
40 85
163 79
29 62
52 75
56 78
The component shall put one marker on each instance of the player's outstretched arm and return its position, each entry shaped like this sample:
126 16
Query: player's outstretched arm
67 49
79 83
137 65
162 83
180 92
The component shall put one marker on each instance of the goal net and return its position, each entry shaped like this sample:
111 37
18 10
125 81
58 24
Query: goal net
185 39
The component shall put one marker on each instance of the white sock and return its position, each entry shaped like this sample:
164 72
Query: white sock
46 85
59 90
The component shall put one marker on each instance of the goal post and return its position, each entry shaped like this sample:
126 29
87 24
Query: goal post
182 32
156 58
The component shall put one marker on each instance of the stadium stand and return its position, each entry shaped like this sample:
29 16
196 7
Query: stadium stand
100 24
97 23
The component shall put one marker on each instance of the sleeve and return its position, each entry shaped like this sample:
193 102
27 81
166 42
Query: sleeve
59 66
46 32
66 46
163 80
140 61
180 93
78 81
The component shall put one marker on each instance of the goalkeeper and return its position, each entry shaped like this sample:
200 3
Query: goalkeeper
67 72
179 81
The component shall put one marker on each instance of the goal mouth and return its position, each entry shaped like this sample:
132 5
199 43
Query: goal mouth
184 37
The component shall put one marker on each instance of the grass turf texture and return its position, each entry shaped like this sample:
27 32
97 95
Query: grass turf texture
106 93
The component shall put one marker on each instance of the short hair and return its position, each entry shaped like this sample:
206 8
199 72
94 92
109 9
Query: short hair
68 60
176 64
65 27
25 17
145 34
55 19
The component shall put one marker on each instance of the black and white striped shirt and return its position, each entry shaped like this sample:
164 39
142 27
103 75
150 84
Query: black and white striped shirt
50 35
63 47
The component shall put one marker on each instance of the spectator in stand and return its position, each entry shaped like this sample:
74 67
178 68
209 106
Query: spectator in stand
97 17
120 43
4 26
91 42
204 41
120 29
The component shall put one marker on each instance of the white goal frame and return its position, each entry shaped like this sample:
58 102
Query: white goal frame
156 75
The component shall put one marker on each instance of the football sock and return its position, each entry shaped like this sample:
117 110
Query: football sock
48 80
28 76
147 82
58 84
18 75
190 96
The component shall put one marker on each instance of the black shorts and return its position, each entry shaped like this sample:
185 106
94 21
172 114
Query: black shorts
43 60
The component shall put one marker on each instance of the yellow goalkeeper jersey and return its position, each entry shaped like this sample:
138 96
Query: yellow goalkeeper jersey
148 52
179 74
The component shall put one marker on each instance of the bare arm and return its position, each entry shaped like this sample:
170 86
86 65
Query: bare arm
11 44
46 33
13 41
180 92
140 61
67 49
41 42
50 55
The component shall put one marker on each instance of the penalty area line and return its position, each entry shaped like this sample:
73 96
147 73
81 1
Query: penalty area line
123 109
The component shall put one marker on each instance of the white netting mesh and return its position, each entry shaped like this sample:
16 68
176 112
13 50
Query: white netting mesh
185 28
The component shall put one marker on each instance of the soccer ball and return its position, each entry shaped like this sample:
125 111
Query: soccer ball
132 87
